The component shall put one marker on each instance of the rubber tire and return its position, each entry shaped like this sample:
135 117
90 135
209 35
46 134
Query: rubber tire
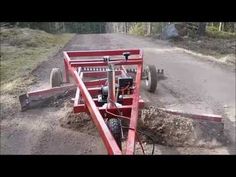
56 77
152 78
115 128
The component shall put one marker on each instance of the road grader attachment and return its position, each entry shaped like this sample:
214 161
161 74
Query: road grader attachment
106 85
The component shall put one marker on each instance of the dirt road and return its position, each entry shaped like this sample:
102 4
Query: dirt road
193 84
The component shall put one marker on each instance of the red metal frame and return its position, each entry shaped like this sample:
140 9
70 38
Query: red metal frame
88 89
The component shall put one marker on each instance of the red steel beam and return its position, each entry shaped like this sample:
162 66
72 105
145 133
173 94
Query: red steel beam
82 108
134 114
94 91
126 110
123 62
98 82
207 117
91 60
98 74
97 118
51 91
102 52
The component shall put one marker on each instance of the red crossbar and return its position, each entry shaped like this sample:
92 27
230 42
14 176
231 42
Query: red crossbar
103 52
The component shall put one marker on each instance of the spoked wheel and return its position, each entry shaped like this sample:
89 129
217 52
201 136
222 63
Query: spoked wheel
114 126
56 77
151 80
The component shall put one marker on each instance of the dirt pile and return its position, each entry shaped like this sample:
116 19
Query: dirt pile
164 128
79 122
173 130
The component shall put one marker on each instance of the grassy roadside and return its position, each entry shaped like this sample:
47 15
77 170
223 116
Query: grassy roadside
218 44
221 50
22 49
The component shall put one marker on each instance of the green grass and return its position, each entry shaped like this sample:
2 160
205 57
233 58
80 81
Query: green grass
213 32
138 29
22 49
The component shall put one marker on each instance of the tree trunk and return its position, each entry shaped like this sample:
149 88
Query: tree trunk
201 29
100 28
220 26
149 28
231 27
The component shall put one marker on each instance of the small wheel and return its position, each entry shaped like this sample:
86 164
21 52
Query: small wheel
56 77
151 81
115 128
